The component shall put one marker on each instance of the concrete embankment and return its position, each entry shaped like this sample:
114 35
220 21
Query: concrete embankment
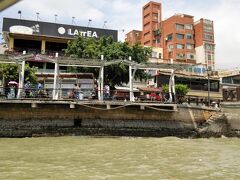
40 118
232 112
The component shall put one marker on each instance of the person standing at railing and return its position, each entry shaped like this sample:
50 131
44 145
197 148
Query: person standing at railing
39 86
27 89
40 90
76 91
106 91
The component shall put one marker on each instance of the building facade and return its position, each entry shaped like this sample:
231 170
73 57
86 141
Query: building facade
204 39
44 37
151 18
134 37
180 38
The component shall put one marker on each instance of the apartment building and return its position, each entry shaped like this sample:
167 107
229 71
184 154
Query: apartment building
134 37
178 37
204 42
151 18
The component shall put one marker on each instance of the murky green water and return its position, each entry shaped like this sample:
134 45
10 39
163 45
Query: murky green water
119 158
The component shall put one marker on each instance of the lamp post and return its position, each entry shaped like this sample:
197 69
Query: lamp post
73 22
104 25
20 14
89 22
37 15
208 76
55 15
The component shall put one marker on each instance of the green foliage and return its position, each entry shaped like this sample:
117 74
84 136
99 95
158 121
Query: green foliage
181 89
94 48
11 73
30 74
165 88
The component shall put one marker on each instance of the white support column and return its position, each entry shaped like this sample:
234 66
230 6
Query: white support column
55 83
172 91
131 95
101 81
21 79
173 85
99 85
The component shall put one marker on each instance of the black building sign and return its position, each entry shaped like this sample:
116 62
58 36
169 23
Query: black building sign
21 26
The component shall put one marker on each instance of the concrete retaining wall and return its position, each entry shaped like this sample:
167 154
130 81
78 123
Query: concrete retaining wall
55 115
232 112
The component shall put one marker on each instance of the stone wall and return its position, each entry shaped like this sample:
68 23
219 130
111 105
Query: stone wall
60 115
232 112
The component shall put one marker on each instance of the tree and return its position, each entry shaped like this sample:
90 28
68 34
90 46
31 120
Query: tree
181 89
94 48
10 72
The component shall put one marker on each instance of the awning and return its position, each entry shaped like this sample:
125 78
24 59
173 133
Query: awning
204 94
149 89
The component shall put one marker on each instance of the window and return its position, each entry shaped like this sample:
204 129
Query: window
146 7
209 57
189 46
189 36
208 37
169 37
155 16
209 47
146 42
154 54
180 56
189 26
145 25
191 56
147 15
179 26
208 28
170 47
206 21
145 34
180 36
180 46
160 55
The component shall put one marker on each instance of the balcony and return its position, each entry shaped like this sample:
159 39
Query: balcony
157 32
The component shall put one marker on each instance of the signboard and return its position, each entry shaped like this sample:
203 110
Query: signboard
28 27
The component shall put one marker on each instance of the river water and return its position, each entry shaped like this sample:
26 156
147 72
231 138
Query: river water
119 158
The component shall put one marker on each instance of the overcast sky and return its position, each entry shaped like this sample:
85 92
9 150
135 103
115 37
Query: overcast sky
125 15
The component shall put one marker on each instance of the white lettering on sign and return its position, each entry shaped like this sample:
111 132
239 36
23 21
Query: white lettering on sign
76 32
36 28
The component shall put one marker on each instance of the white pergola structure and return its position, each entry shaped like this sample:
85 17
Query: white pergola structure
94 63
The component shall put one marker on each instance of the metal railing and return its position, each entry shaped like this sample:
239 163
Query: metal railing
91 95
